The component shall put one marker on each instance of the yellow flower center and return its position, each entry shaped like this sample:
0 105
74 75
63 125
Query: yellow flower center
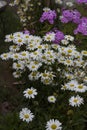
80 86
5 55
14 47
68 61
19 40
33 66
69 51
75 100
51 99
27 36
11 37
23 54
16 56
45 75
34 74
18 65
39 47
71 85
48 38
53 126
85 52
30 92
31 45
26 116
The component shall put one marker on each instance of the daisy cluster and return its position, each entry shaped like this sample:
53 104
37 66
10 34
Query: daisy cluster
40 54
46 61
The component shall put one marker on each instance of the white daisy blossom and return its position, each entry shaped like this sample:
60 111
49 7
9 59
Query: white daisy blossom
19 41
53 125
18 66
17 74
72 85
30 93
46 9
69 4
26 115
81 88
5 56
51 99
58 1
76 101
85 79
84 53
65 42
9 38
14 48
49 37
34 75
69 37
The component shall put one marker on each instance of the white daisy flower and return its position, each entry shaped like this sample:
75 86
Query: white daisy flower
49 37
5 56
33 66
34 75
51 99
84 53
53 125
85 79
24 55
14 48
69 4
30 93
68 62
31 46
46 9
26 115
64 87
9 38
15 56
76 101
18 34
18 66
72 85
19 41
58 1
69 37
17 74
81 88
65 42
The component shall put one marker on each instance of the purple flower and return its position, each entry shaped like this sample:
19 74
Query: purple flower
81 1
58 36
70 16
82 27
50 16
26 32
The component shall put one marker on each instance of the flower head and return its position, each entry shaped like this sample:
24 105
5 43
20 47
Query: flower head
26 115
30 93
53 125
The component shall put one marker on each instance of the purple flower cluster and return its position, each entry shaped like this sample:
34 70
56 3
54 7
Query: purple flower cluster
82 27
58 36
81 1
70 16
49 15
